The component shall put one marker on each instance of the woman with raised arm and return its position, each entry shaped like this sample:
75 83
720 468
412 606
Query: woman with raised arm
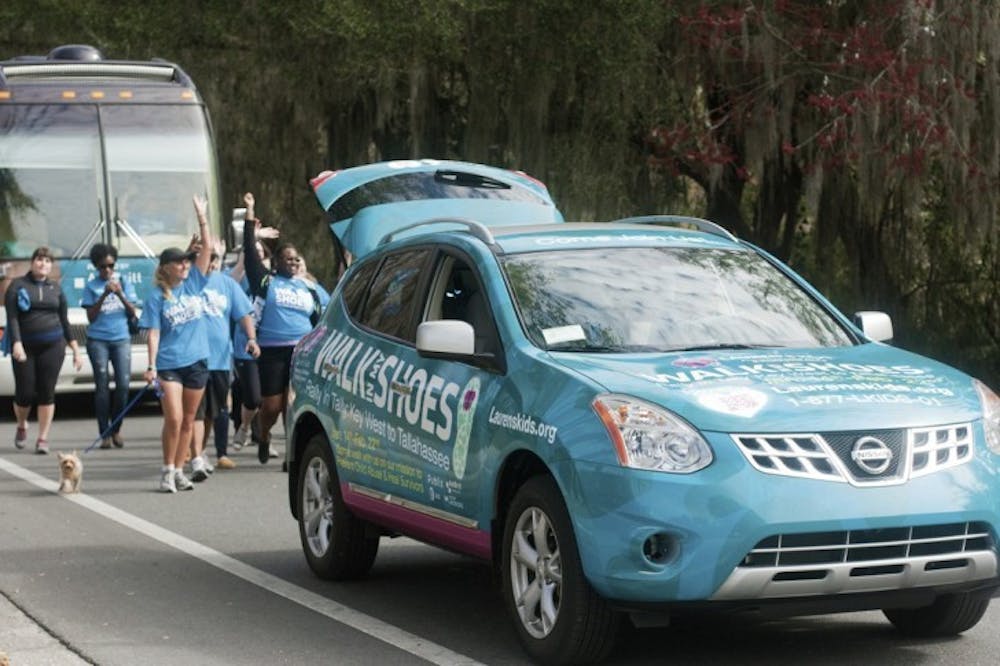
174 314
289 306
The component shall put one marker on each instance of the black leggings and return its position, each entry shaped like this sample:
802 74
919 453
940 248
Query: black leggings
247 383
35 379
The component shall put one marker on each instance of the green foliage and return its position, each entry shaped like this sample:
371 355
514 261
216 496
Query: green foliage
858 140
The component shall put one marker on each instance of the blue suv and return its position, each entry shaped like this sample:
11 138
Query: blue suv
639 420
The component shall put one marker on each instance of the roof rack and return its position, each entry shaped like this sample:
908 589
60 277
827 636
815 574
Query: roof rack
680 220
477 229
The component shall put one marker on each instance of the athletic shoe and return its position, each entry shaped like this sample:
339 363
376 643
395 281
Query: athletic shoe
263 451
20 437
106 443
225 462
199 470
167 482
181 481
241 436
41 447
116 439
271 451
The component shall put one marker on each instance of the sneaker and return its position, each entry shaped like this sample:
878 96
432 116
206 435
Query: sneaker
41 447
181 481
117 440
225 462
199 470
106 443
167 482
241 436
264 451
271 451
20 437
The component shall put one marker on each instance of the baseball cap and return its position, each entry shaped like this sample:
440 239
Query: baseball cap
172 254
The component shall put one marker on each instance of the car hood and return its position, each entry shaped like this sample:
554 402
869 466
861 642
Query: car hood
870 386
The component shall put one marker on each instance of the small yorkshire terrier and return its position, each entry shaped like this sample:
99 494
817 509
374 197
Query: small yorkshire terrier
70 472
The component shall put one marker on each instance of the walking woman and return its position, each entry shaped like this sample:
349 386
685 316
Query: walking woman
109 301
246 383
174 314
290 306
39 332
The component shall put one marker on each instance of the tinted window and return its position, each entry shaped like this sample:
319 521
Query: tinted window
418 186
393 295
355 290
664 299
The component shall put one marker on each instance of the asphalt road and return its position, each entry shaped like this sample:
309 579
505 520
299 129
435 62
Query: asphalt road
122 574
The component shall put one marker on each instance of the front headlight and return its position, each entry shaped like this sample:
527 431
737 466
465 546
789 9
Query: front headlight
649 437
991 415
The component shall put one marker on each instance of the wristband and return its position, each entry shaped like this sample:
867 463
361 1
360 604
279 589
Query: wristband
150 367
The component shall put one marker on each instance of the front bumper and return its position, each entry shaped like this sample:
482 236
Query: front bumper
655 538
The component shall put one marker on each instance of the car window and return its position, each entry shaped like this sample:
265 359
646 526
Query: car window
664 299
355 289
393 295
457 293
441 184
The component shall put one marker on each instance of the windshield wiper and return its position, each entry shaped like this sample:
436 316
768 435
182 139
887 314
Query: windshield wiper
723 345
465 179
587 348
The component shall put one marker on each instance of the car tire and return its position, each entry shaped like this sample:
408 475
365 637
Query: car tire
566 621
336 544
949 615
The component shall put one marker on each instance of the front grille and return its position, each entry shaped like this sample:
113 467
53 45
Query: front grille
793 550
871 560
878 457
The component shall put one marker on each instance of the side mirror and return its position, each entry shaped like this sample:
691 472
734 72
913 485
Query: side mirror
446 336
237 226
876 325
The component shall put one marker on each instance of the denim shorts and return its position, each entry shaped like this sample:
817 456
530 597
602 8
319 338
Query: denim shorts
193 376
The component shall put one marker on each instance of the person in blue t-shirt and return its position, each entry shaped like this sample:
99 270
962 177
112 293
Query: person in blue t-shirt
174 314
246 384
225 305
109 300
289 305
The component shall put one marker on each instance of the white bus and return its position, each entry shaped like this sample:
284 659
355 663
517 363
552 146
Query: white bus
95 150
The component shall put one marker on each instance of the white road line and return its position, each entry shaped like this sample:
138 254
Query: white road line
387 633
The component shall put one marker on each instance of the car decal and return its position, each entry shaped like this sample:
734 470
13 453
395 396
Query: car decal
466 413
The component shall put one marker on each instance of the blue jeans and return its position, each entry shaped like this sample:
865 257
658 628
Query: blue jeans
119 352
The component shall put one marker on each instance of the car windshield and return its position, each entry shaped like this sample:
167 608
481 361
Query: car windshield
662 300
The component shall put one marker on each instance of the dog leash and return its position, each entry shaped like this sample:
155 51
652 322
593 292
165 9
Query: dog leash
155 385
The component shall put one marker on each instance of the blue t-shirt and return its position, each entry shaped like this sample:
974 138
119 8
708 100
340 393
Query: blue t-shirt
284 315
225 302
112 322
240 338
181 322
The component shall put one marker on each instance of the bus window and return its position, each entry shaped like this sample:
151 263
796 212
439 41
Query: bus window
157 157
50 181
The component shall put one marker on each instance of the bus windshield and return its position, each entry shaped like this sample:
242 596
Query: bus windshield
52 186
50 178
157 157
